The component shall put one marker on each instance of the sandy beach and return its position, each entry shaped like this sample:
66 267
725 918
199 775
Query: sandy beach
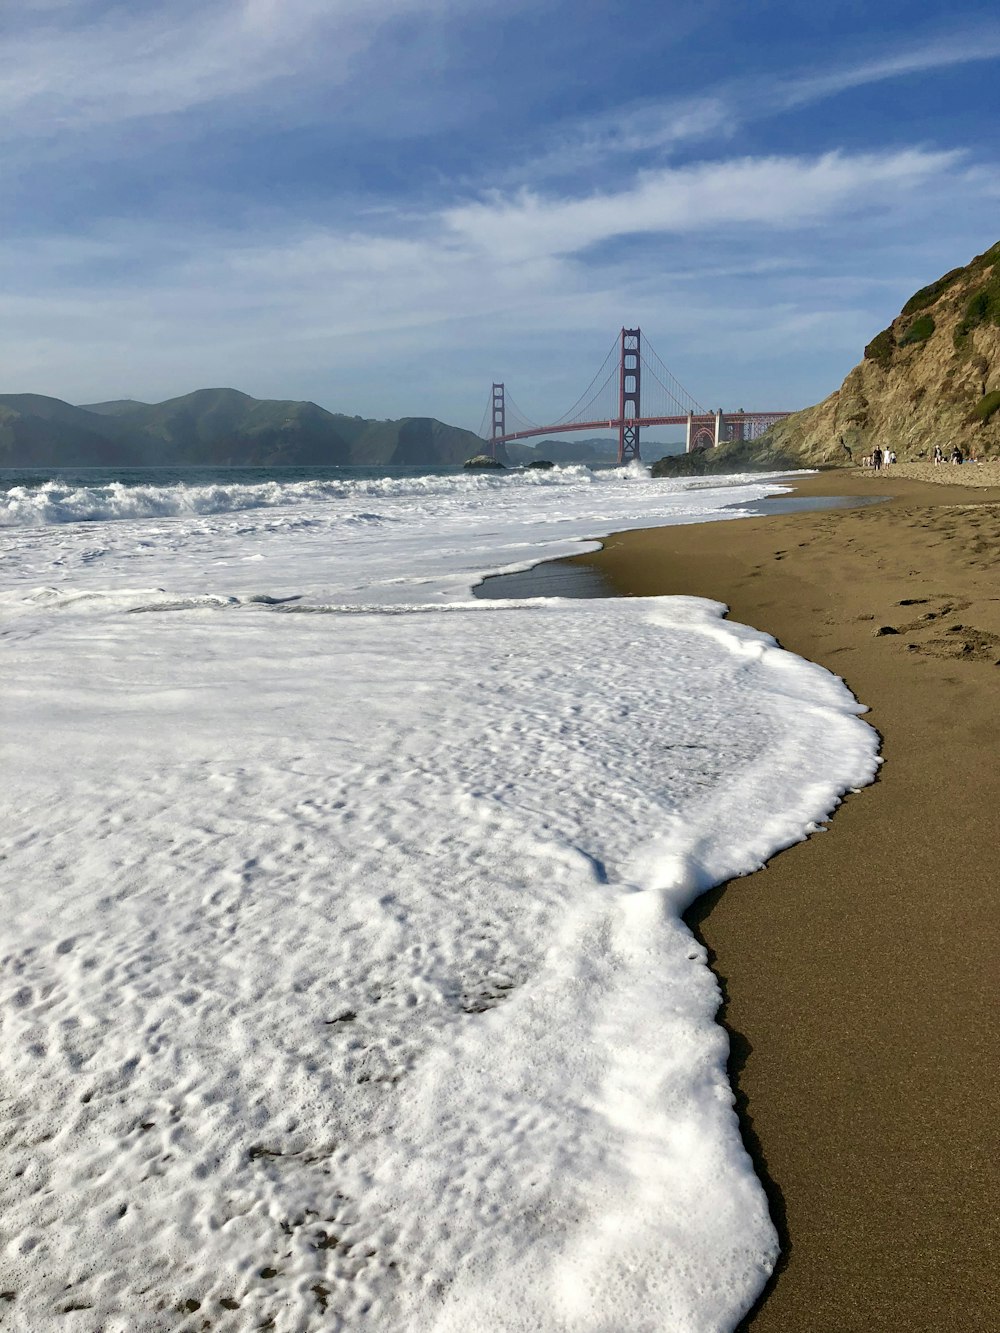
860 967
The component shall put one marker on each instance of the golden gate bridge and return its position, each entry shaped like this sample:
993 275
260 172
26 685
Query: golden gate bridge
632 389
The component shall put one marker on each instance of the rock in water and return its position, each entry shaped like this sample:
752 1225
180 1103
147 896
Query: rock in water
484 461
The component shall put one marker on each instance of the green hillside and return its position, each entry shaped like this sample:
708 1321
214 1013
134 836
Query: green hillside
36 431
117 408
568 449
219 427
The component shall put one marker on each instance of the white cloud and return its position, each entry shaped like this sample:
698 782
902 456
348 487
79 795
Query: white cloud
653 129
112 64
773 191
960 49
398 303
408 309
638 129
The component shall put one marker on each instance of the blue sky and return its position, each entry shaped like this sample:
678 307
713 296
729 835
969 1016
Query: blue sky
383 205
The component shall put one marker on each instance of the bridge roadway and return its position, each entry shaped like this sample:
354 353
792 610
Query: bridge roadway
728 417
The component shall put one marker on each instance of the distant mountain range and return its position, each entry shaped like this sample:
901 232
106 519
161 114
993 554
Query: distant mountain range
216 426
591 449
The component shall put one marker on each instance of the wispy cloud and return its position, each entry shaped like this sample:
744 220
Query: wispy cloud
634 131
655 129
943 53
271 313
773 191
104 63
600 219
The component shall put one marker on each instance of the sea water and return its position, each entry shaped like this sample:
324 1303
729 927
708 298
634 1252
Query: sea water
344 981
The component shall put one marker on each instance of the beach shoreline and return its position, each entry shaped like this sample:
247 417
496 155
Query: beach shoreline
855 966
325 845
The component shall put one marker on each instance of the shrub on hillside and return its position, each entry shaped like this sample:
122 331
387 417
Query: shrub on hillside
929 294
988 257
880 348
982 307
987 405
985 304
919 331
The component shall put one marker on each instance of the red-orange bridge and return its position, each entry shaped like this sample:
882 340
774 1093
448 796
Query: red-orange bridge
631 390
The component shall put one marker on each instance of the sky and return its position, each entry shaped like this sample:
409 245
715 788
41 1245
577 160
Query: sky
385 205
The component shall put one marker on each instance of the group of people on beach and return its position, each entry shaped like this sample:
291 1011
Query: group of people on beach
879 459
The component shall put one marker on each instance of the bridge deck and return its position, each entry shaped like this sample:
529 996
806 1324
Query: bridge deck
640 421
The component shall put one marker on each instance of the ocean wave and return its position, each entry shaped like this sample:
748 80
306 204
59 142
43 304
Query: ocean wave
56 502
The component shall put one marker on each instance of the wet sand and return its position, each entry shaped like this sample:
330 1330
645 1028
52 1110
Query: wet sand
860 968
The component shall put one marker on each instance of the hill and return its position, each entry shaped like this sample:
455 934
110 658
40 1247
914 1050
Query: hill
36 431
569 449
216 426
932 377
118 408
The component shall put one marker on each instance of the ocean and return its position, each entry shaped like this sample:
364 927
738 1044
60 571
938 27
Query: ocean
344 981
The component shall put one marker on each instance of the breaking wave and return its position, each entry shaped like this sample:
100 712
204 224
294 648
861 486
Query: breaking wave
56 502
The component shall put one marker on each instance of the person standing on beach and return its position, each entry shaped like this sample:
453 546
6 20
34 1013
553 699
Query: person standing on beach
877 459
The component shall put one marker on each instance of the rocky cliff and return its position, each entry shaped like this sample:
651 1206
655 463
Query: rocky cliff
932 377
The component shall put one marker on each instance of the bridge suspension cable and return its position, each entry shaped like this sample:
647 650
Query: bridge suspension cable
518 420
615 398
585 407
676 394
515 419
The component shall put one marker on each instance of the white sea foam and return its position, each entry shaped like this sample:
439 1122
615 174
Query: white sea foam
57 502
344 982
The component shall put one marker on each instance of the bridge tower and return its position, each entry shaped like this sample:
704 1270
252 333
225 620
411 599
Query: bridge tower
499 418
628 396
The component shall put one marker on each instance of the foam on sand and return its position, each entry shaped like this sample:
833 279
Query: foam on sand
344 980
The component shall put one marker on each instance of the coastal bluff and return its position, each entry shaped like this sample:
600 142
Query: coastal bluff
932 377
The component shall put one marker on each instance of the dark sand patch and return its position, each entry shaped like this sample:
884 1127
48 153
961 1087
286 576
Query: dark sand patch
551 578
